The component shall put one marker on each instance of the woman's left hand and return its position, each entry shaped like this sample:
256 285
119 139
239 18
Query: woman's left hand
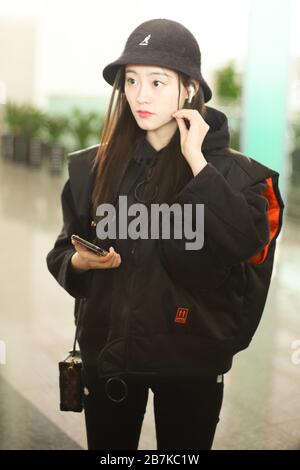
192 139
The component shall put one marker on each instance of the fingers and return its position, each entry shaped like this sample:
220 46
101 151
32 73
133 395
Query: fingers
116 261
182 127
111 260
189 114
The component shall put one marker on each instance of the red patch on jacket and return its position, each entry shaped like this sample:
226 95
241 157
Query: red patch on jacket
181 315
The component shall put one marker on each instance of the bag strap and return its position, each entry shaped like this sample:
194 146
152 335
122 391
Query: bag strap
73 352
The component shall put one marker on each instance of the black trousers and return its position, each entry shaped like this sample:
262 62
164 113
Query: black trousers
186 411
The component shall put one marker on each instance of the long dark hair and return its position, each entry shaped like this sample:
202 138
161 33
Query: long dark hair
118 137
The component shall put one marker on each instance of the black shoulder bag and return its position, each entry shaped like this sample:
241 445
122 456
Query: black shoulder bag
70 380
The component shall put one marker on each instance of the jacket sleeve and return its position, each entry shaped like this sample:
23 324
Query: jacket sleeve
235 227
59 258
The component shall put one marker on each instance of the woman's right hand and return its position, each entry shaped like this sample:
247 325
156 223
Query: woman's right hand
84 259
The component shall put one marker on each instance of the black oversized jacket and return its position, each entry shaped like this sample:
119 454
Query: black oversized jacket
167 311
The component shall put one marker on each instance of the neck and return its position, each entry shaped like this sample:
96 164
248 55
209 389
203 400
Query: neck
160 137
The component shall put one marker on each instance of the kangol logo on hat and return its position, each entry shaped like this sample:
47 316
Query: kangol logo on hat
171 45
145 41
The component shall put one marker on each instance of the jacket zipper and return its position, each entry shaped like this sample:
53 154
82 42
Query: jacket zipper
127 322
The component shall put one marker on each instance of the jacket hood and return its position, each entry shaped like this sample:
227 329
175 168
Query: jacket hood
218 134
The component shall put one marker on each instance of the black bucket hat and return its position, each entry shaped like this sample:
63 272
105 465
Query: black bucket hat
162 42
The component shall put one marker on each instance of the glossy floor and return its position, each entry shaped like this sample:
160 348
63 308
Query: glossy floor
261 405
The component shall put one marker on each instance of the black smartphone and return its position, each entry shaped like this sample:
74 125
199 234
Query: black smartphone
96 249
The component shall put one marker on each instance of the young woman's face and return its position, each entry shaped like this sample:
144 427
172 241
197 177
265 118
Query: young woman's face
154 89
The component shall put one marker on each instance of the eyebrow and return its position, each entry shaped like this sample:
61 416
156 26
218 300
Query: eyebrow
151 73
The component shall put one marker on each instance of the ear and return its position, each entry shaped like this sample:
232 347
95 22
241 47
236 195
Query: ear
195 84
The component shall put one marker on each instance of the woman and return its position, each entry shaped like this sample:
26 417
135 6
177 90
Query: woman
158 311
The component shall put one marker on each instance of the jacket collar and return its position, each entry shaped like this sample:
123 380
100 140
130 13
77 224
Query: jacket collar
218 134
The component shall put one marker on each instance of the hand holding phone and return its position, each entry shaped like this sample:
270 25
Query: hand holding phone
90 256
94 248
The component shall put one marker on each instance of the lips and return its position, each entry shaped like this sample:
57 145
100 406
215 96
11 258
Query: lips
144 113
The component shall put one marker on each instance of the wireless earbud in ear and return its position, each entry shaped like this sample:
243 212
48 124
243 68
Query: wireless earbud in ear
191 91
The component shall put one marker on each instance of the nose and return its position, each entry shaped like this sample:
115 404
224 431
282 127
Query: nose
142 96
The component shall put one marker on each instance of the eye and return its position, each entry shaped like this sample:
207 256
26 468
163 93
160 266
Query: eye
157 81
130 80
